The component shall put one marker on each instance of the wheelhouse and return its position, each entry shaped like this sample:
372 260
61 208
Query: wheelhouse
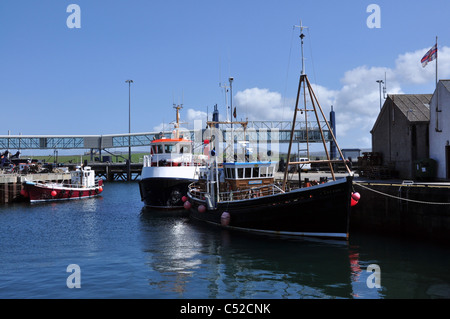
240 175
170 152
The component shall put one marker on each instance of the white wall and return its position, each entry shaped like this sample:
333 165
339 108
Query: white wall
438 140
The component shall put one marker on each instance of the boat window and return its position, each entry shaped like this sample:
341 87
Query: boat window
240 173
168 148
160 149
233 173
248 172
255 171
185 149
270 171
263 171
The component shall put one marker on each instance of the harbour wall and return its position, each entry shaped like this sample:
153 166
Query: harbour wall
11 184
405 210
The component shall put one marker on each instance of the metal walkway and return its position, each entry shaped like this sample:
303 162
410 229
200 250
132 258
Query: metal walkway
269 131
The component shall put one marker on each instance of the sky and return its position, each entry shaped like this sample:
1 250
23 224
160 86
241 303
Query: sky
60 78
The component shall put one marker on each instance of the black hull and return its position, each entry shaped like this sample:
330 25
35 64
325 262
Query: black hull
321 211
164 193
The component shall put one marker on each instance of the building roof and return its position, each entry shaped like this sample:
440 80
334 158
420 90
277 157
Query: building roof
415 107
446 84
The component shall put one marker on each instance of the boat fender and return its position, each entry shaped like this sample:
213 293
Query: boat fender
187 205
201 209
184 199
355 198
53 193
100 189
225 219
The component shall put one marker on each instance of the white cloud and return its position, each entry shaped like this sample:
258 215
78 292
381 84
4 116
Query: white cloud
261 105
193 115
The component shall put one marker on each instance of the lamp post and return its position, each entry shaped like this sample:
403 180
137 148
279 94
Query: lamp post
231 98
379 82
129 130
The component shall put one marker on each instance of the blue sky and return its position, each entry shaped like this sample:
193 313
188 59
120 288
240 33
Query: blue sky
60 81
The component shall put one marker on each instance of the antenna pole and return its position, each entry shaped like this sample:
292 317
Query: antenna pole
301 37
177 124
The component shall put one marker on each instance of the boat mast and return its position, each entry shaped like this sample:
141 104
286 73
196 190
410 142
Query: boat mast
314 101
177 123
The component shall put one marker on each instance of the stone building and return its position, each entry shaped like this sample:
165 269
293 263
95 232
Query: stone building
401 132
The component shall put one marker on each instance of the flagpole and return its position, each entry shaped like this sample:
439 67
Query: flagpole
437 53
437 91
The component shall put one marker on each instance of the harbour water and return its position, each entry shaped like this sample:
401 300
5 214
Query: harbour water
125 251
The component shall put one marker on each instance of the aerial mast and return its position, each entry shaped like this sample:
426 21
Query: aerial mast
177 124
315 108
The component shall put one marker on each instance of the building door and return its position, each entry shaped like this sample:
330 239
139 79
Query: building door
447 161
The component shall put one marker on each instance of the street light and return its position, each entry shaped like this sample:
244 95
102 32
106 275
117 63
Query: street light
379 82
231 98
129 129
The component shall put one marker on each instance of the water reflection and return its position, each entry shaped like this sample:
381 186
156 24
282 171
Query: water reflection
196 260
409 268
172 248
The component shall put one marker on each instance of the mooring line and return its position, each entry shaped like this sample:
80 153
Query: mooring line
400 198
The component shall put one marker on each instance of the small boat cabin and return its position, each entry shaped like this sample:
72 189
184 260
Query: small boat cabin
83 177
171 152
244 175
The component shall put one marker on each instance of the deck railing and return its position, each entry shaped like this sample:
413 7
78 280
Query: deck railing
196 191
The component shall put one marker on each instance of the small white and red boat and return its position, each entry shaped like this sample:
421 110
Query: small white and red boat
83 184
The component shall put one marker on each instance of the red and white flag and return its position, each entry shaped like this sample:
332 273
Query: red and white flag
429 56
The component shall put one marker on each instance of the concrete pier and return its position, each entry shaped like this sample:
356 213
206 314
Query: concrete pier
419 210
114 171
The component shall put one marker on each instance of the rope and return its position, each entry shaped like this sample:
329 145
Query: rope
400 198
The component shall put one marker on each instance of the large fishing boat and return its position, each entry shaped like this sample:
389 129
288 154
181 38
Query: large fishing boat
244 195
169 169
83 184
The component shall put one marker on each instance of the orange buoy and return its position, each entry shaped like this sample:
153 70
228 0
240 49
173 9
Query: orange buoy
201 209
225 219
354 199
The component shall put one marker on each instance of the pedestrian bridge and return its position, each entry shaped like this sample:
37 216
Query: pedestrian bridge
268 131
